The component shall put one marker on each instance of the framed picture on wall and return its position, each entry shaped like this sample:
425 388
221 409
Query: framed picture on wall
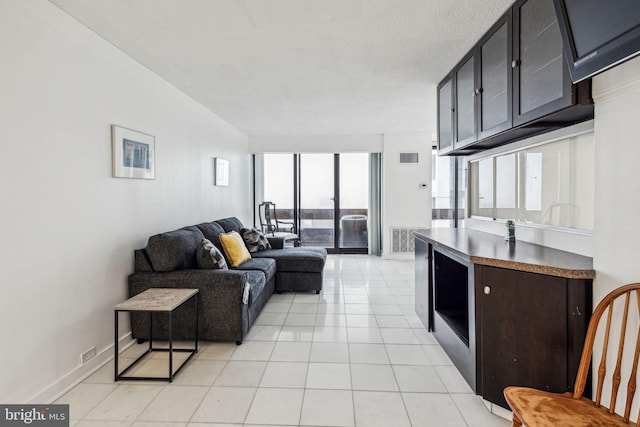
133 153
220 172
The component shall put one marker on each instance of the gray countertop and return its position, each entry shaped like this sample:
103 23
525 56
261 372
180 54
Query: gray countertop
488 249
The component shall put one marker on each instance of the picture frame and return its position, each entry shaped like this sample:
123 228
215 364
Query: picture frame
133 153
220 172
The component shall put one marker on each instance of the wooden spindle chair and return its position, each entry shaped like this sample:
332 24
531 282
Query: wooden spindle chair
535 408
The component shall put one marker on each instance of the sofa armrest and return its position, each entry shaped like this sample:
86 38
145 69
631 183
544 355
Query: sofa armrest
221 307
276 242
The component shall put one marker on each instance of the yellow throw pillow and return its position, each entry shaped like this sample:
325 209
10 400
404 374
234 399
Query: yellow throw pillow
234 248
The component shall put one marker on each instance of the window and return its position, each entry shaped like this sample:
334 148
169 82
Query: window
445 189
550 184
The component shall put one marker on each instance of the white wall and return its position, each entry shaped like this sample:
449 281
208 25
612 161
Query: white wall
616 95
404 202
316 143
69 228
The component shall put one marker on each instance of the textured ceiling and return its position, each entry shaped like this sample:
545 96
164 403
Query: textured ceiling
310 67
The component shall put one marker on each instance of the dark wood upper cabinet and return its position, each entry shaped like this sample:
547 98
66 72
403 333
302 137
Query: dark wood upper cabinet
513 84
465 103
495 81
445 115
542 84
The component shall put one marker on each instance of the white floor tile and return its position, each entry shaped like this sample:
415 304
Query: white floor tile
327 408
373 377
102 423
398 336
475 413
436 355
432 409
276 307
361 321
453 380
217 351
329 352
158 424
299 319
356 299
296 333
331 319
276 406
414 378
364 335
241 374
263 333
380 409
391 321
368 353
303 307
388 309
84 397
291 351
331 307
125 403
330 334
285 375
176 403
424 337
335 376
358 309
271 319
225 405
401 354
199 372
305 297
253 350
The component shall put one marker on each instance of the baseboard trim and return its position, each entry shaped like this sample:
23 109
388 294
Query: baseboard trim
56 389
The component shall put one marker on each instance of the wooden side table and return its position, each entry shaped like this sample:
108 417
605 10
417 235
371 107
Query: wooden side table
154 300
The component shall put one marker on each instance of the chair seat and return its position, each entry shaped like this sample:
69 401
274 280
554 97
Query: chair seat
543 409
284 235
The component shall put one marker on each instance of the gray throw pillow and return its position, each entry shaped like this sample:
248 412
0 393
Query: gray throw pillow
255 240
210 257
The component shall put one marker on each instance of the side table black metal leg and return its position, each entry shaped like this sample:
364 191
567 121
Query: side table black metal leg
115 346
150 331
197 298
170 347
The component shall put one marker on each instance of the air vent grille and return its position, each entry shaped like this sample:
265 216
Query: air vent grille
408 158
402 240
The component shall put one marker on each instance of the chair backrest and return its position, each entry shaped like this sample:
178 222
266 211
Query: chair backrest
620 301
268 220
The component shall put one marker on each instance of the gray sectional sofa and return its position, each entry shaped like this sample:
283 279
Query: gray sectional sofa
230 300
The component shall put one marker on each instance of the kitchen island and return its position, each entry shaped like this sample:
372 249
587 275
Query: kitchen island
505 313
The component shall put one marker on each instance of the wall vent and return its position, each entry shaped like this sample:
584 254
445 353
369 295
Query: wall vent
402 240
408 158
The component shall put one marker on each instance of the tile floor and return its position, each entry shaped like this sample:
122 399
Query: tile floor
355 355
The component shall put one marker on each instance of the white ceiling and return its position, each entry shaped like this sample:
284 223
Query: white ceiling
299 67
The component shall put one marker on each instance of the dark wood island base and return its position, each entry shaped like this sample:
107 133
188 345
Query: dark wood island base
505 313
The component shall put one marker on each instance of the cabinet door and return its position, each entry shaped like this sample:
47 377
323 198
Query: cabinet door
495 89
423 280
540 75
523 331
465 107
445 116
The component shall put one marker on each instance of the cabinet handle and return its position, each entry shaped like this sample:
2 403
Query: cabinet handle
478 91
515 63
487 290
